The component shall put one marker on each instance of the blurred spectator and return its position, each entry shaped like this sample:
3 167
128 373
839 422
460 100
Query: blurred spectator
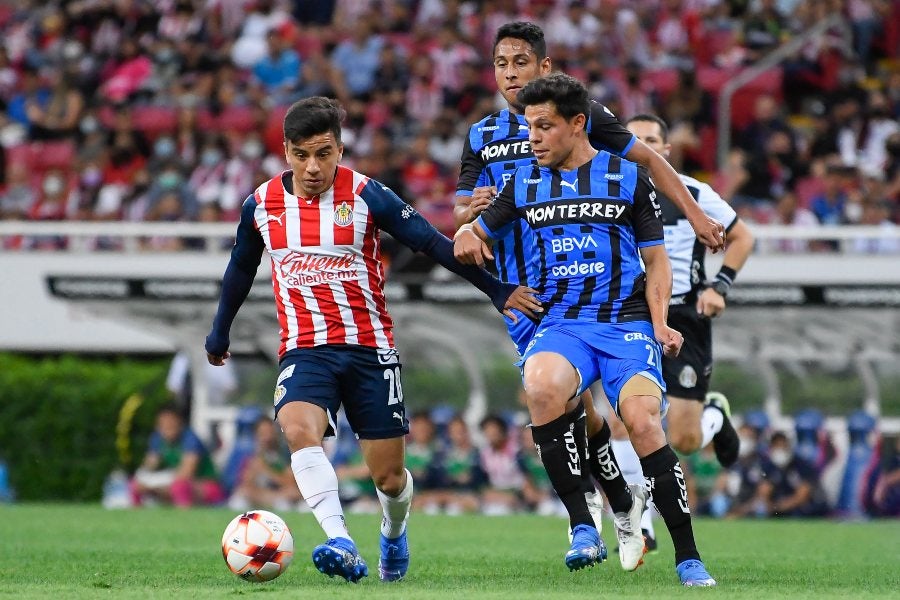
461 476
266 478
448 56
19 196
790 485
829 206
764 29
703 480
59 117
177 468
886 496
789 212
356 61
206 182
876 213
32 99
421 461
279 71
636 96
499 462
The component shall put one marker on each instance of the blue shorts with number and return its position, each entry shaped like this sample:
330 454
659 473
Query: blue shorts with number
613 352
521 332
365 381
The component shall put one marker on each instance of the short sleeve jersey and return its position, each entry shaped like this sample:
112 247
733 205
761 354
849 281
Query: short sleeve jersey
588 225
685 251
495 147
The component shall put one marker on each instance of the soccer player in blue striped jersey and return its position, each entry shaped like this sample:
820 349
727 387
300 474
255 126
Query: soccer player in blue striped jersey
495 147
605 281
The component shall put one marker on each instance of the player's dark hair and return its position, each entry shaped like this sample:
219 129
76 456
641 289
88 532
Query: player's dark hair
313 116
525 31
648 118
567 93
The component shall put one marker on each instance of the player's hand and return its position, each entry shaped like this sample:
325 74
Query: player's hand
523 299
710 303
481 199
670 340
217 349
469 249
710 232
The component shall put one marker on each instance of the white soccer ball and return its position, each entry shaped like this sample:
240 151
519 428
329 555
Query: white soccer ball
257 546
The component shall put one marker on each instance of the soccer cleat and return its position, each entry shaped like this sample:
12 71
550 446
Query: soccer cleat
587 548
339 556
649 541
394 559
693 574
595 507
628 530
726 443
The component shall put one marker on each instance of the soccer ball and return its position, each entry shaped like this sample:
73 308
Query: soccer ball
257 546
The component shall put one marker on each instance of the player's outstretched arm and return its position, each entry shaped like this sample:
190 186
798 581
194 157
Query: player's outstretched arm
411 229
658 292
709 231
236 284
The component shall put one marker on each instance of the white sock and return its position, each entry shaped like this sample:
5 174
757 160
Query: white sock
628 461
710 424
396 510
319 485
630 464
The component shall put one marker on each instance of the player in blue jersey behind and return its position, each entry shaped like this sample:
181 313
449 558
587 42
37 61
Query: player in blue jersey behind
494 148
605 282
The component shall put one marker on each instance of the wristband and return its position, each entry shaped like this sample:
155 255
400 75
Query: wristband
723 281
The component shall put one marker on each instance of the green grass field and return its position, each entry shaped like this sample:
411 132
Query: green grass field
62 551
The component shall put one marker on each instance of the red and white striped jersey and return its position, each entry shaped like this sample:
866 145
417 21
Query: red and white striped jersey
327 273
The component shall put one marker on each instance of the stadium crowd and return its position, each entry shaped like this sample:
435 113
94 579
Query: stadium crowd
171 110
496 470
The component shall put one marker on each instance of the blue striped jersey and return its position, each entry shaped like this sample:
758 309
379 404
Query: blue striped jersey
588 225
495 147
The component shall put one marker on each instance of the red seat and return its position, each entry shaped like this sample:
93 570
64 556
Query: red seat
154 120
238 118
53 155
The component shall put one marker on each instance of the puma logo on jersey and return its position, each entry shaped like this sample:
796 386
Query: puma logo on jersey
569 184
398 416
276 219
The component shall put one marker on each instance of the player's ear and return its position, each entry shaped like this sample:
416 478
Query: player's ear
579 121
287 155
544 66
340 152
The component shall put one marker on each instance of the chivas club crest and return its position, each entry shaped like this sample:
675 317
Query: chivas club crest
343 215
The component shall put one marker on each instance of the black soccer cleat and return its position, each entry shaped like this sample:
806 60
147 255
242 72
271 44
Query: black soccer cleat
726 443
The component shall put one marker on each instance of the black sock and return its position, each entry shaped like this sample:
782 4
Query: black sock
607 472
579 419
555 443
665 480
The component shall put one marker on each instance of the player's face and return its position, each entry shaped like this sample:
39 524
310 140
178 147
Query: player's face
313 161
651 134
515 64
552 137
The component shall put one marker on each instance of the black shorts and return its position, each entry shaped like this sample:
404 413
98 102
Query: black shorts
687 375
365 381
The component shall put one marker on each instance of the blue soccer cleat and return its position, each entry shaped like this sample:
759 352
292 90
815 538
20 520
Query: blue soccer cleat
339 556
587 548
394 559
693 574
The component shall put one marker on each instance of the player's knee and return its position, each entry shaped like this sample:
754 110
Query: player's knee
300 435
390 481
684 441
641 425
542 395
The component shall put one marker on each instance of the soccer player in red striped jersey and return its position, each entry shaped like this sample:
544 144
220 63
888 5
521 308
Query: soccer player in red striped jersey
320 223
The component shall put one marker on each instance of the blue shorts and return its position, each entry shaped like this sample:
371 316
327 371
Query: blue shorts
365 381
612 352
521 332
